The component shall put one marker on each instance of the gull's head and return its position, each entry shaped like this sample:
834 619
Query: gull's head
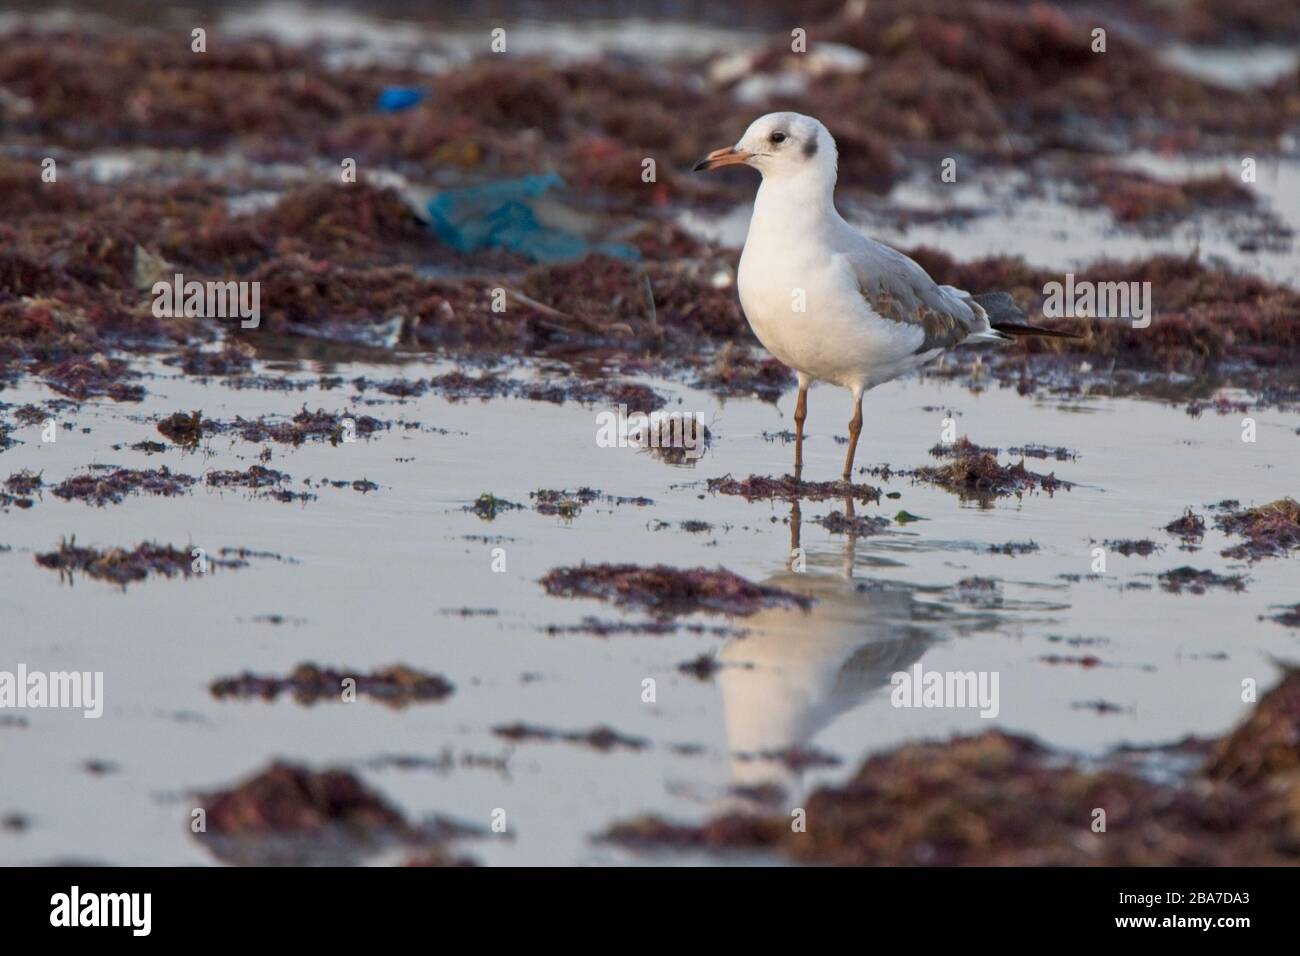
780 145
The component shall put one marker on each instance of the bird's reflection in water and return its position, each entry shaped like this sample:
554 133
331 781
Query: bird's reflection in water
795 671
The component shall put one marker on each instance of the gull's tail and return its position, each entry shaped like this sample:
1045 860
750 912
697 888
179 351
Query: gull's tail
1006 318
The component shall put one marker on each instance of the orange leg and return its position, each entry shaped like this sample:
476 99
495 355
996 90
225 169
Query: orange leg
855 429
800 414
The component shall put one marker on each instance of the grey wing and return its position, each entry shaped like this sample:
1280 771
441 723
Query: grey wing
898 289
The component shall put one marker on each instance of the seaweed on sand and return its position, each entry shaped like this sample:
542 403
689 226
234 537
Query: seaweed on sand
600 738
186 430
19 488
1143 547
666 591
112 487
255 477
395 686
1289 616
1134 197
761 487
289 814
1189 526
1270 530
25 482
1263 747
569 504
121 566
563 503
1198 582
94 377
1002 799
974 472
737 370
487 506
837 522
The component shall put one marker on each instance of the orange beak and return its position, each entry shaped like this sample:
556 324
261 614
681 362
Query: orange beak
729 156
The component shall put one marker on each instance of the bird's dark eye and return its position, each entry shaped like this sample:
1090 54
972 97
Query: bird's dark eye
778 138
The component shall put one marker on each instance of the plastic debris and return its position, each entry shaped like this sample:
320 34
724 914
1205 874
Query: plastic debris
394 99
503 215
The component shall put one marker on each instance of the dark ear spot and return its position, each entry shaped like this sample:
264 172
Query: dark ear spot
810 147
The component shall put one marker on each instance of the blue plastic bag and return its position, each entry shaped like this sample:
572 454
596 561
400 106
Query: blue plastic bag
497 216
394 99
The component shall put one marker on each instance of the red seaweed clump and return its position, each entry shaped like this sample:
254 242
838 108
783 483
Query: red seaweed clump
269 483
674 309
438 857
24 482
837 522
395 686
94 87
1143 547
1134 197
1266 746
666 591
600 738
255 476
290 798
1020 71
233 358
999 799
333 809
1270 530
319 425
1221 21
763 488
122 566
458 386
342 221
737 370
291 815
569 504
1191 580
342 300
487 506
701 668
112 487
19 490
974 473
962 448
186 430
96 377
1289 616
1189 526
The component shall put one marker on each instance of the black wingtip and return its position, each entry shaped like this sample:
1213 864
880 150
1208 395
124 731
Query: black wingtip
999 307
1022 328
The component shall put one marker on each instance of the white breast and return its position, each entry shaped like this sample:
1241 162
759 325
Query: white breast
801 299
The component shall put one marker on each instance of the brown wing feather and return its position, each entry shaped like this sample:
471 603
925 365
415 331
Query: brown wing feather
942 329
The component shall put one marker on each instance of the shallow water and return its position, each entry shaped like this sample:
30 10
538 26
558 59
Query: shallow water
377 579
1239 68
380 578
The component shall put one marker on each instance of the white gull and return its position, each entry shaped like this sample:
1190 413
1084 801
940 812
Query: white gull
829 302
